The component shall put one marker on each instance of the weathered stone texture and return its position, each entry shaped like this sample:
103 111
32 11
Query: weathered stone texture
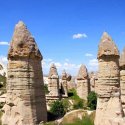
64 84
83 86
122 78
53 84
109 109
25 100
93 76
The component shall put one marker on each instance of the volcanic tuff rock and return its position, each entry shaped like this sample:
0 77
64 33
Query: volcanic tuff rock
64 83
122 78
107 47
122 59
53 84
83 86
109 109
93 76
25 100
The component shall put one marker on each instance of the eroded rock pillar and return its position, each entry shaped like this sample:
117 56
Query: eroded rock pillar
83 86
109 109
25 100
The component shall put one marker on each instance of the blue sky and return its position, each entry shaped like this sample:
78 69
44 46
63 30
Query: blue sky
67 31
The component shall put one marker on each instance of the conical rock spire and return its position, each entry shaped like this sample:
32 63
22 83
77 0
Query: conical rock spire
23 44
53 71
83 73
107 47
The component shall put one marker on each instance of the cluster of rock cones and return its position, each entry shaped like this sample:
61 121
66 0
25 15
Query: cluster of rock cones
25 100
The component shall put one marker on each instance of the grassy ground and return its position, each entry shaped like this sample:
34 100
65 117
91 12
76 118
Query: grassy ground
71 119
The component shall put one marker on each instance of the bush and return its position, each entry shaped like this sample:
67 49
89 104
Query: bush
92 100
57 108
46 89
72 94
66 104
78 104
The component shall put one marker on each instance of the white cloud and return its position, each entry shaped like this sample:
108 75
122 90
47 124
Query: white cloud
67 65
4 43
67 60
3 62
93 62
79 35
93 65
3 59
88 54
58 64
48 60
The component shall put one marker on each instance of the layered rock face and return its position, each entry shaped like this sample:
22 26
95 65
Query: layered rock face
53 83
122 78
25 100
64 84
83 86
93 76
109 109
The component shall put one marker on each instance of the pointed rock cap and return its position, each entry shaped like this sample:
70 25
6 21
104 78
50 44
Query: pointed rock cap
83 73
69 77
107 47
23 44
53 72
122 59
64 75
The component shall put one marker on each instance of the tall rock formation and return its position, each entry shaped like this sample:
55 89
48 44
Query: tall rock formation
53 83
109 109
64 84
25 100
83 86
93 76
122 78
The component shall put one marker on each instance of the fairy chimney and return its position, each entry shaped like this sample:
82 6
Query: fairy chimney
64 83
83 86
109 109
53 84
122 78
25 100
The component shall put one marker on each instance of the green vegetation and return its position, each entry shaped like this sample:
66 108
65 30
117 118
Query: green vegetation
72 94
57 108
92 100
78 103
85 121
66 105
46 89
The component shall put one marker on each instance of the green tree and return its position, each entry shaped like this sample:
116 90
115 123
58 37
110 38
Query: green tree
46 89
78 104
92 100
57 108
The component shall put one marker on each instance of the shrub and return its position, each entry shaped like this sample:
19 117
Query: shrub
57 108
78 104
72 94
46 89
66 104
92 100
